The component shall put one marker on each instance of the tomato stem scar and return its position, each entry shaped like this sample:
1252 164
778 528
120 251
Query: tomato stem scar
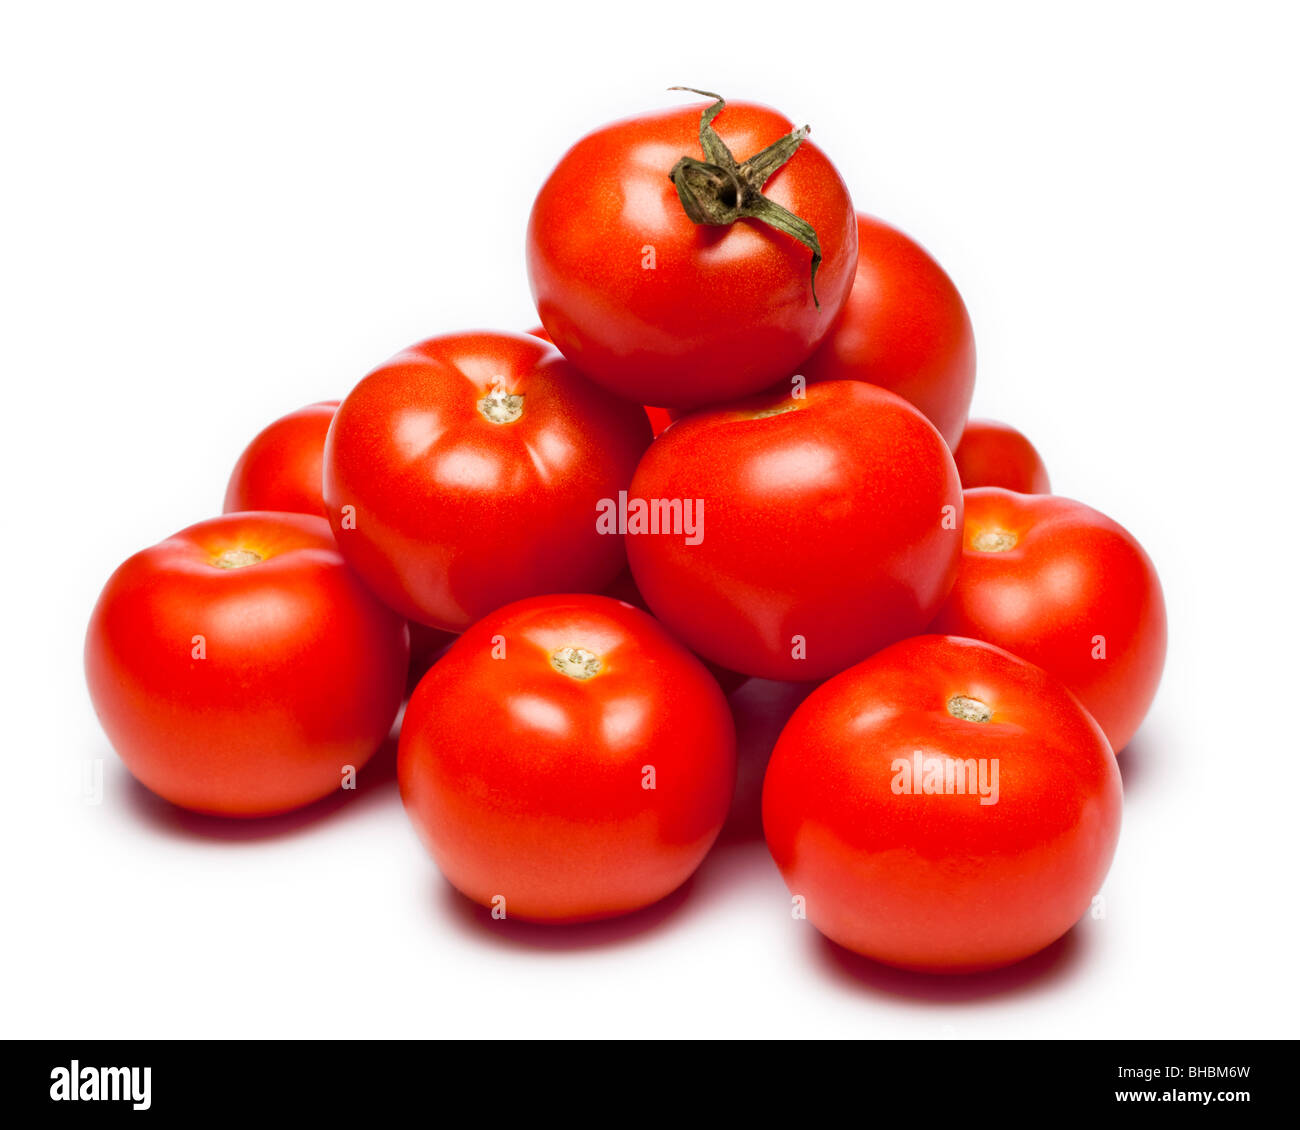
994 541
969 709
576 662
774 410
500 406
236 559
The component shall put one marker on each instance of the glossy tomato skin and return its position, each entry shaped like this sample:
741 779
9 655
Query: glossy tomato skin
905 328
454 513
281 468
528 783
993 454
244 690
667 312
831 527
937 881
1067 588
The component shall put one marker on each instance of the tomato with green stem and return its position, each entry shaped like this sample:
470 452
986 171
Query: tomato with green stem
692 255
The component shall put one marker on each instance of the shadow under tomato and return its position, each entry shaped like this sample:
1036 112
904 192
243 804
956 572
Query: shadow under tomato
1035 974
476 920
732 864
761 708
1138 762
376 783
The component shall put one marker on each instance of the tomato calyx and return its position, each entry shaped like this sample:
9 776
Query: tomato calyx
576 662
717 191
969 709
236 559
499 406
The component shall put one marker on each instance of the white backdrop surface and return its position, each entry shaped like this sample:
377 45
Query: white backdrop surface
211 214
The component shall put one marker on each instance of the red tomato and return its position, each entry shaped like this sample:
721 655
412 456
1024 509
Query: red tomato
992 454
659 418
1063 586
465 473
864 817
281 468
904 328
567 756
830 528
669 312
239 667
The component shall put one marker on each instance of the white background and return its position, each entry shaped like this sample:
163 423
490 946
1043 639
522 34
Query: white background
212 214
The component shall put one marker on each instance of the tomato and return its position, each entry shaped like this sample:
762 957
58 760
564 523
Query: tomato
992 454
830 528
674 313
1063 586
465 473
568 757
942 806
240 668
659 418
905 328
281 468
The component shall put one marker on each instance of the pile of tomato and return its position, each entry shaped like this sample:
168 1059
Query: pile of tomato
738 447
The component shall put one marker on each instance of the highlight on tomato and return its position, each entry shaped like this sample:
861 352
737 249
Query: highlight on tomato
692 255
567 760
240 668
943 806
